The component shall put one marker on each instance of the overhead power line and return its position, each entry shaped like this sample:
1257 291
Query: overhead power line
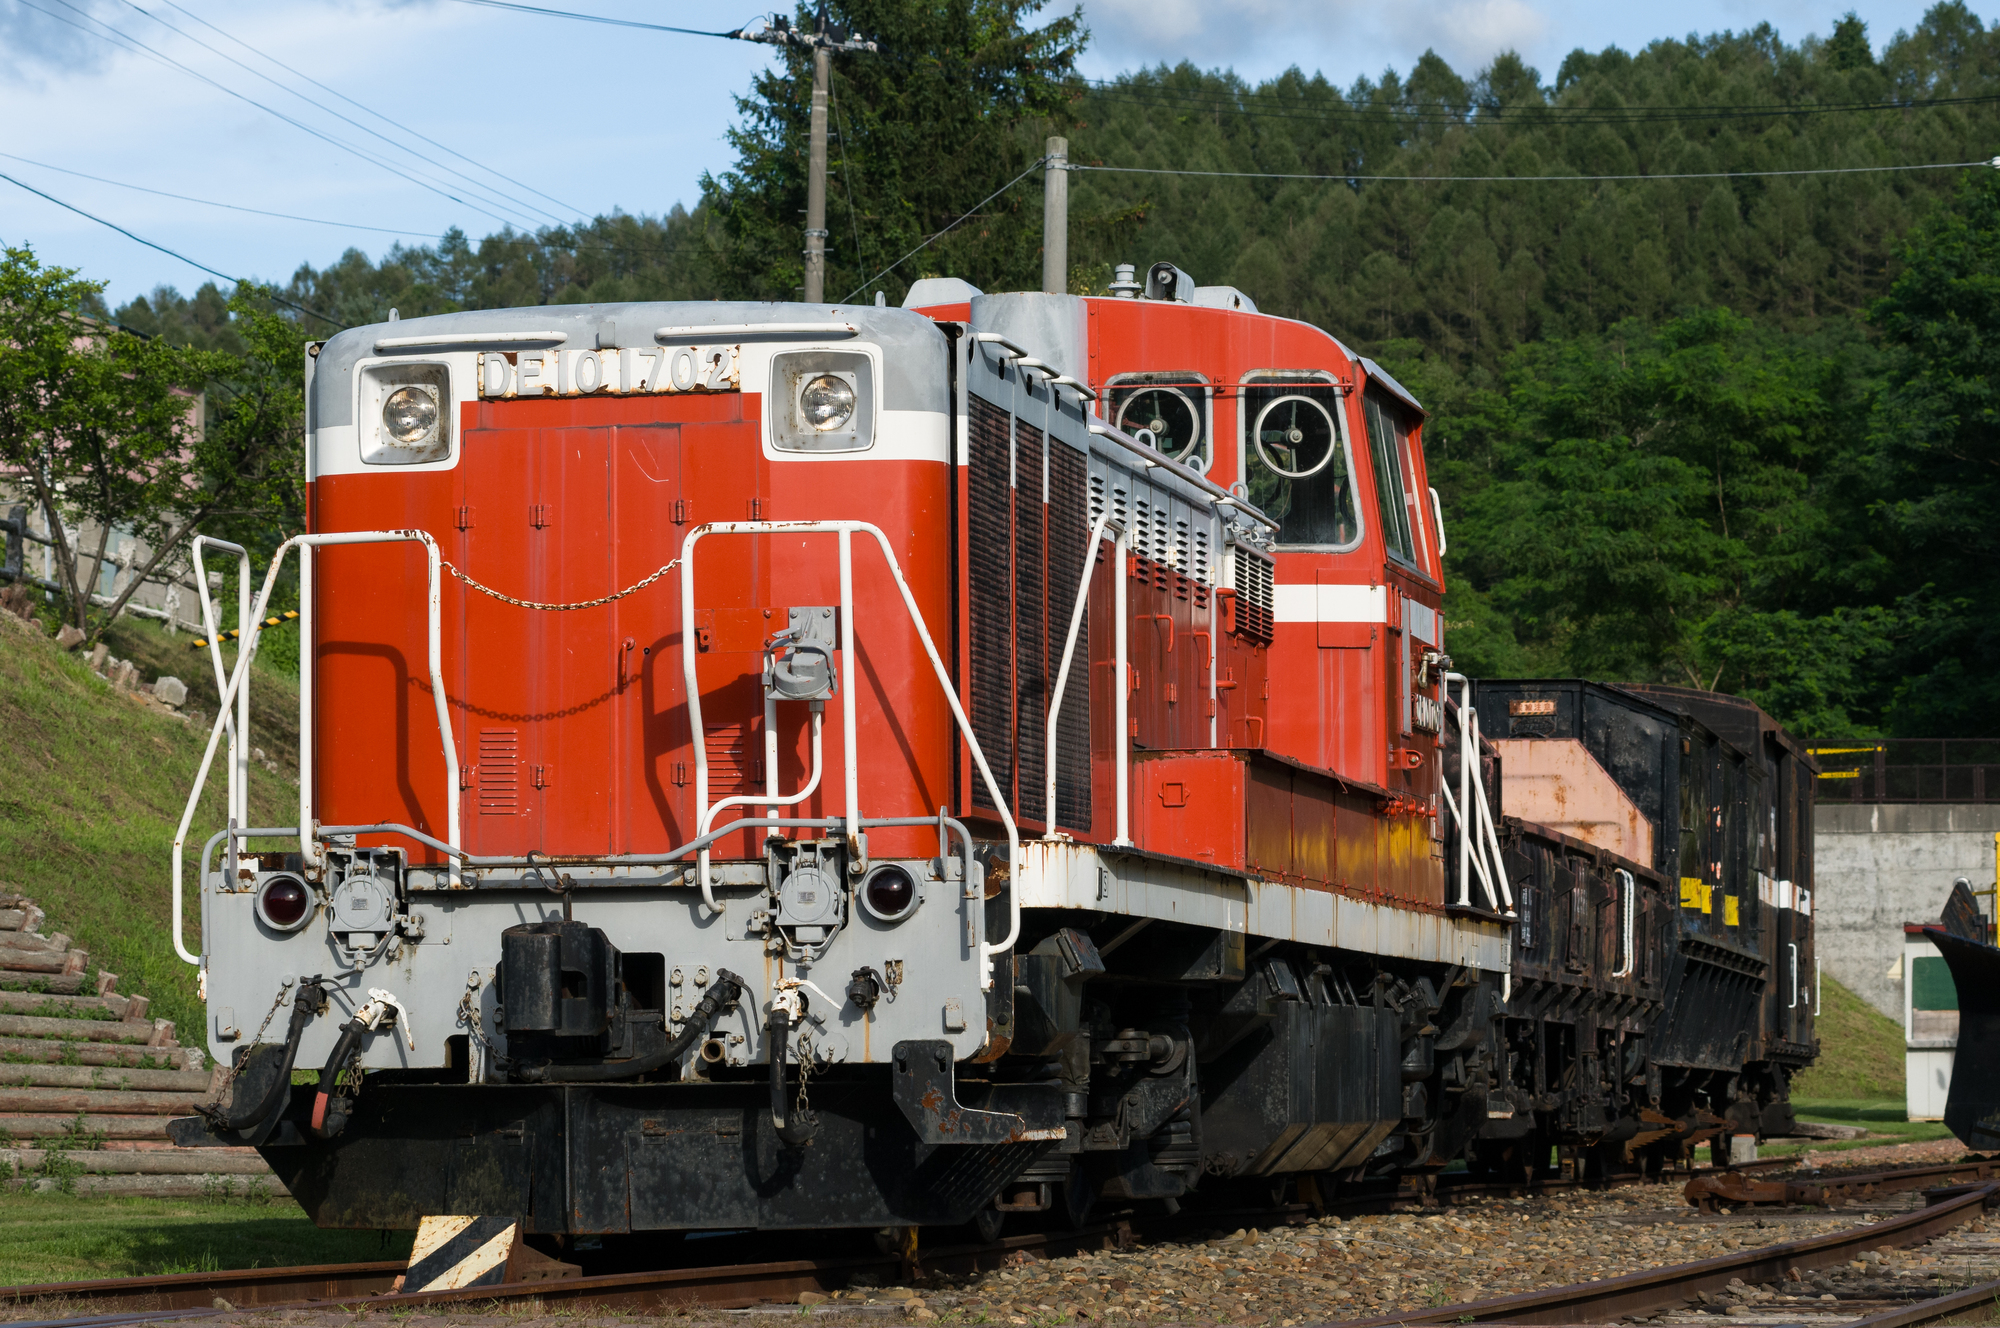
171 253
129 43
209 202
442 147
1536 179
492 195
1033 166
595 18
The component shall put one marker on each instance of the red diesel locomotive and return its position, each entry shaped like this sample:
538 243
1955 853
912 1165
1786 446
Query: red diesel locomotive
796 766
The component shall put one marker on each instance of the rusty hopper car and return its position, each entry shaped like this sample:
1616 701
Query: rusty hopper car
790 766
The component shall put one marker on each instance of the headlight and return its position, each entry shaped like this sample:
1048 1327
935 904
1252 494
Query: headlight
284 903
410 415
890 892
827 402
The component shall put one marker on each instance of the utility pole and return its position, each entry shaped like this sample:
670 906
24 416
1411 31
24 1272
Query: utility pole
1055 218
822 42
816 174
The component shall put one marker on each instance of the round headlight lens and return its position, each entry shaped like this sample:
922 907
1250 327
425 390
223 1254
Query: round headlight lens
890 892
284 902
827 402
410 415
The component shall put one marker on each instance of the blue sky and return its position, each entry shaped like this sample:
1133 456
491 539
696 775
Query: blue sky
580 118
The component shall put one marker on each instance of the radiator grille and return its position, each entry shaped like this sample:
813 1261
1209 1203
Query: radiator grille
1025 557
989 578
1069 527
1031 600
1255 600
499 772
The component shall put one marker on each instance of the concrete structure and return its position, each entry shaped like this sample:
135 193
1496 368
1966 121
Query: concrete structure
1930 1026
169 596
1877 866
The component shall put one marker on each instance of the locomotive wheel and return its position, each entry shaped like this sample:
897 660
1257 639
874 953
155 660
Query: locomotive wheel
986 1226
1077 1197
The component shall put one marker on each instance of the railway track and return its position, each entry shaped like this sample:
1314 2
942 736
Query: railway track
1644 1294
115 1301
109 1303
1708 1191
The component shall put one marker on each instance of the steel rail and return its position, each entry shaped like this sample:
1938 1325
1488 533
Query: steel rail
193 1295
1707 1191
1983 1296
242 1287
1655 1289
727 1286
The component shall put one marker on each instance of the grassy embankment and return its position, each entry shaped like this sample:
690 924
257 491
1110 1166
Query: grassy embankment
1858 1079
131 1237
92 785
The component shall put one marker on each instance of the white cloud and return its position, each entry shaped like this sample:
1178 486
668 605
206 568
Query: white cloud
1468 33
33 41
1345 39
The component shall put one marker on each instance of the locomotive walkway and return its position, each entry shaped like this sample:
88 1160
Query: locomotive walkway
88 1080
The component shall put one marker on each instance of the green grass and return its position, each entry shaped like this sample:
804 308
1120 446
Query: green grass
1860 1052
91 787
1858 1079
1884 1118
54 1238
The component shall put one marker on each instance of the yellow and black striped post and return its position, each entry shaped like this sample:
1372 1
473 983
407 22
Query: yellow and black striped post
456 1252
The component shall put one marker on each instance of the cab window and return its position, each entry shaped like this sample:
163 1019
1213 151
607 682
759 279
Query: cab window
1297 462
1172 407
1388 444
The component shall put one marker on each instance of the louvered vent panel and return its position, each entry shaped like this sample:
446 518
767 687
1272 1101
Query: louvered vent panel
735 760
1031 667
1256 603
1069 527
1201 571
499 772
989 577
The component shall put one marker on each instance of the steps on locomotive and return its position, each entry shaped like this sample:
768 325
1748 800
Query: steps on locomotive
88 1080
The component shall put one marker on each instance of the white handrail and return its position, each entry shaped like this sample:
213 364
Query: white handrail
769 798
1628 902
1068 657
1477 837
736 331
846 529
239 730
248 651
1794 948
383 344
1121 627
1478 861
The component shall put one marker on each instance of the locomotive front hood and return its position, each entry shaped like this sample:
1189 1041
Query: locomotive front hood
908 340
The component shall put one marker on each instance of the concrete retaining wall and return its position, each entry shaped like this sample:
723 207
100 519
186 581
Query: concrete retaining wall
1877 866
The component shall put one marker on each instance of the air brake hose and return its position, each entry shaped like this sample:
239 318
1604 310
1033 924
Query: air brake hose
726 989
350 1037
801 1128
308 1001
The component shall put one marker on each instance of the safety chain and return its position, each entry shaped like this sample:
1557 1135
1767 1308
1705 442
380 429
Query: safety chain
802 1108
229 1075
468 1015
634 588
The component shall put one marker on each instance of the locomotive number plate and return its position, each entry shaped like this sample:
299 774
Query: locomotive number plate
628 371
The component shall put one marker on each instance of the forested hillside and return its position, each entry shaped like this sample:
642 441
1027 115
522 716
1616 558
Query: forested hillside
1724 431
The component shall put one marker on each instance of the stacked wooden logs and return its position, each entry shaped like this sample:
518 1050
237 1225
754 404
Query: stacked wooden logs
88 1081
